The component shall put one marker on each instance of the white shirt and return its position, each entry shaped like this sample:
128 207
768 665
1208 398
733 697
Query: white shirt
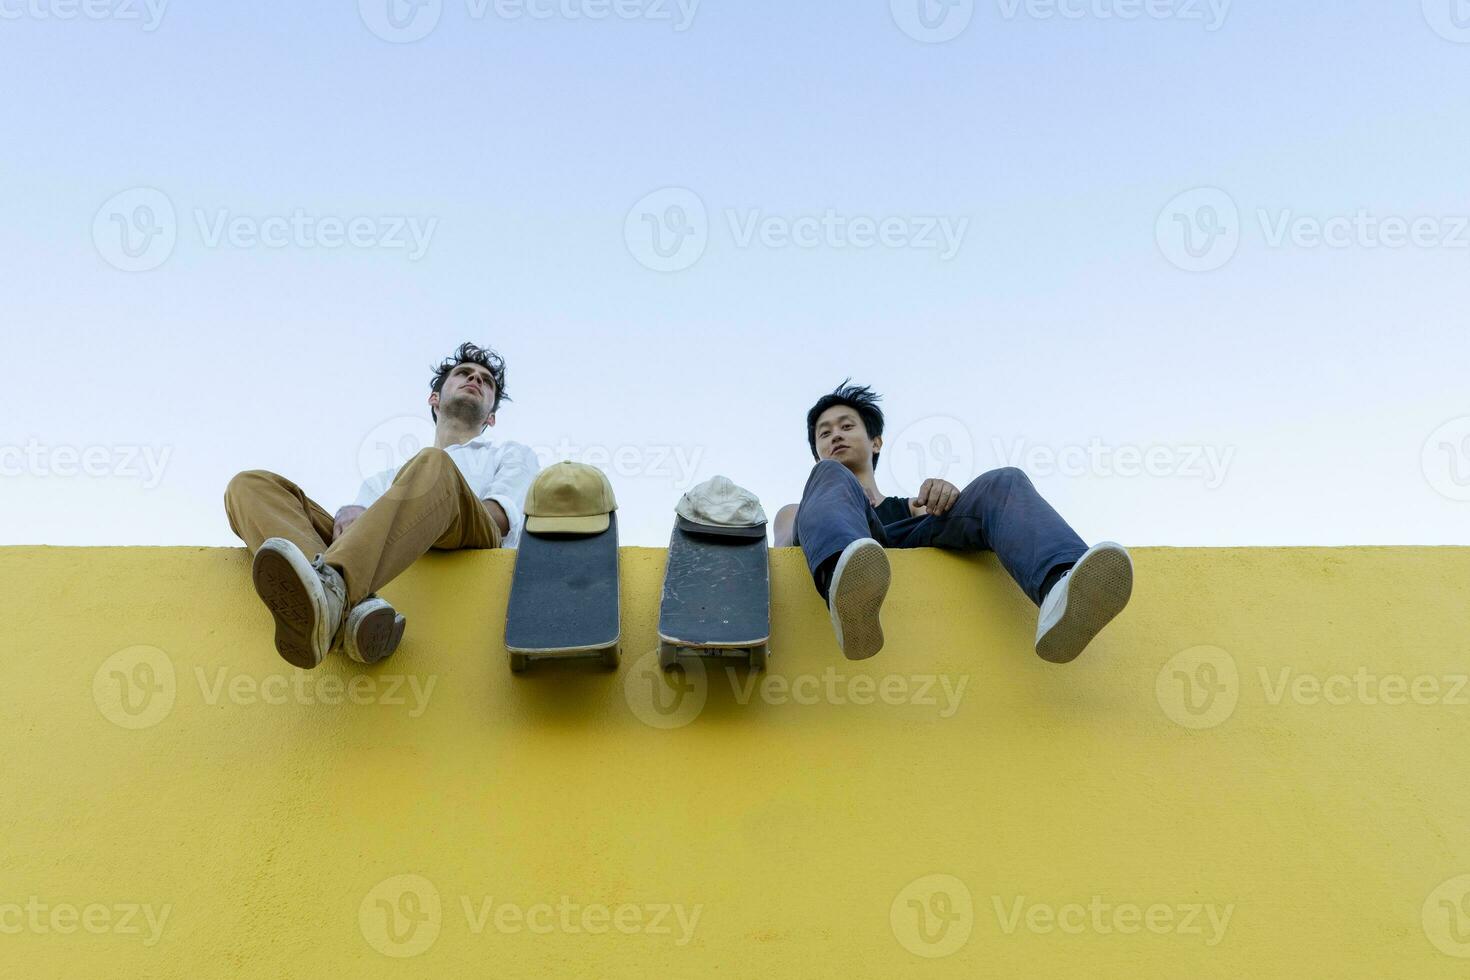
502 473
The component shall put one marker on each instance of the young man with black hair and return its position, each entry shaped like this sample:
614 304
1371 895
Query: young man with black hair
462 492
843 524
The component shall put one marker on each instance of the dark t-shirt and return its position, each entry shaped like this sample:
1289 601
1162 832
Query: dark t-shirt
893 509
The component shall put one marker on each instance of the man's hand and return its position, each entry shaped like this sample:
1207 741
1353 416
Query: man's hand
936 497
345 517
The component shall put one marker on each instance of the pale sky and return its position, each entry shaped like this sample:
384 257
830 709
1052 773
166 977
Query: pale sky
1201 268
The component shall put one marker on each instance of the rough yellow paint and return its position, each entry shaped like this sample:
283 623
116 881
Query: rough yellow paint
1256 772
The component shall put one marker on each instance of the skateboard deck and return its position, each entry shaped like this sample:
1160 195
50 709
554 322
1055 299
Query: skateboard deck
716 599
564 599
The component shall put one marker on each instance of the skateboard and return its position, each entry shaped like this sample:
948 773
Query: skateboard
717 596
564 599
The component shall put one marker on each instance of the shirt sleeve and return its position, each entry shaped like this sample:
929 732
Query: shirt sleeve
514 473
373 488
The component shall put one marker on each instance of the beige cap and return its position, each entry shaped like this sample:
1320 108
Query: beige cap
570 498
719 503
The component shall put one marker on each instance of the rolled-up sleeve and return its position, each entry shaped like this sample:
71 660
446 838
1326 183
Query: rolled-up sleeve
514 472
372 488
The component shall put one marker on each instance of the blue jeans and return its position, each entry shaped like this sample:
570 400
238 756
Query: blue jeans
999 511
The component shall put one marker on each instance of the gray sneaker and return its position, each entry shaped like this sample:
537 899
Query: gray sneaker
1083 601
305 597
859 585
372 632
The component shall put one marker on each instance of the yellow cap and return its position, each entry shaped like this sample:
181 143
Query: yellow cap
570 498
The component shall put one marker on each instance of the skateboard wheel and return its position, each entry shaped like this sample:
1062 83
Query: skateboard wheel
519 662
668 656
611 656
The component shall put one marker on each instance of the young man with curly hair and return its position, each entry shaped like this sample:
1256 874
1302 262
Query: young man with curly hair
843 523
462 492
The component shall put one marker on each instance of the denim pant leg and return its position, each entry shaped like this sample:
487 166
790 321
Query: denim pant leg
1001 511
834 512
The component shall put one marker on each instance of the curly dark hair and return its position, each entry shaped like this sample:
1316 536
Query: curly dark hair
483 356
859 398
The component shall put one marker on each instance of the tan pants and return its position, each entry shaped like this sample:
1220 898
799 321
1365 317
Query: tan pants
428 506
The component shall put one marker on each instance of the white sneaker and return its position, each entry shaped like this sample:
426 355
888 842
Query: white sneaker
305 597
1083 601
859 585
372 631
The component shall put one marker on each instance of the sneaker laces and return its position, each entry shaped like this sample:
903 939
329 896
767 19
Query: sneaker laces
327 573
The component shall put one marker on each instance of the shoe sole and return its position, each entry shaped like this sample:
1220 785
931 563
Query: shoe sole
374 636
280 581
859 585
1097 590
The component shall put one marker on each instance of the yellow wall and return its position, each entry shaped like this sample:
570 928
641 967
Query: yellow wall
1165 776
